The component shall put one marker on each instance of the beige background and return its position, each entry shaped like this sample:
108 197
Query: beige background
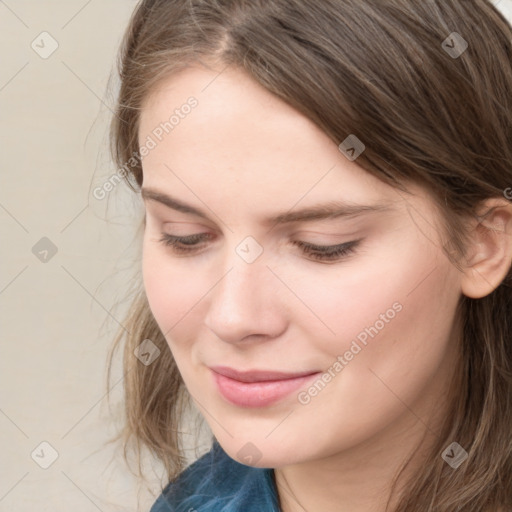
59 316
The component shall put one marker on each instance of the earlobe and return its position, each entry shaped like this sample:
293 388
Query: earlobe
489 255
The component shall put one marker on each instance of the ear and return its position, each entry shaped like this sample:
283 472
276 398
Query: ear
489 251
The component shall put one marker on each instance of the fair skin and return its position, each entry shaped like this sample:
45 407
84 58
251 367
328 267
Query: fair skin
243 155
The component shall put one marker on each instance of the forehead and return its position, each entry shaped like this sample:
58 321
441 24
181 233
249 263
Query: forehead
241 140
232 109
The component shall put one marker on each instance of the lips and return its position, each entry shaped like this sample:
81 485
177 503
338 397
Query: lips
256 375
257 388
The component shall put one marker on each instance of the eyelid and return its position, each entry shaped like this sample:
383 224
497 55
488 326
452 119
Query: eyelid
195 237
319 253
329 253
322 235
160 214
326 246
193 225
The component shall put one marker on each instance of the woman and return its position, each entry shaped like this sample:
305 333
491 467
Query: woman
326 253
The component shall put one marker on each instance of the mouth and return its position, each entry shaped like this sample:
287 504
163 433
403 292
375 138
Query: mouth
257 388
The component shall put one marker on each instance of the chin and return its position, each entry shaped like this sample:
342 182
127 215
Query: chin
259 454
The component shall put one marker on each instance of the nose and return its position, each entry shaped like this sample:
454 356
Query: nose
244 305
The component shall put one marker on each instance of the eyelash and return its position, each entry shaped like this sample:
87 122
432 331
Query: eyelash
317 252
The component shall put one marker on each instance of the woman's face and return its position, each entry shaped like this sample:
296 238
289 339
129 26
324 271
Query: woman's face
291 352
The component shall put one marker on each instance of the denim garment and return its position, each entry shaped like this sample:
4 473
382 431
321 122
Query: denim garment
217 483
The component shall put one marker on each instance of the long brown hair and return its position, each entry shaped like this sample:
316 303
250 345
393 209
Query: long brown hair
429 109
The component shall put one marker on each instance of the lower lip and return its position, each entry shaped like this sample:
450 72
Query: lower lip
258 394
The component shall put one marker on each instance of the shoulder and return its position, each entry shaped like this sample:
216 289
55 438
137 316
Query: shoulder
217 483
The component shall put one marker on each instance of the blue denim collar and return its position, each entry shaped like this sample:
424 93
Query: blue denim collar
217 483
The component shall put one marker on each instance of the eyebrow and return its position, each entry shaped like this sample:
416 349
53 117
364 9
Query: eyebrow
329 210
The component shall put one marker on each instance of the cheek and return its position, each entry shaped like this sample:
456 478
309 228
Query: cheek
423 333
347 300
173 291
397 310
403 362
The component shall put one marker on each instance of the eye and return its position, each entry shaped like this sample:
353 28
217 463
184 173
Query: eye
327 252
192 243
184 244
